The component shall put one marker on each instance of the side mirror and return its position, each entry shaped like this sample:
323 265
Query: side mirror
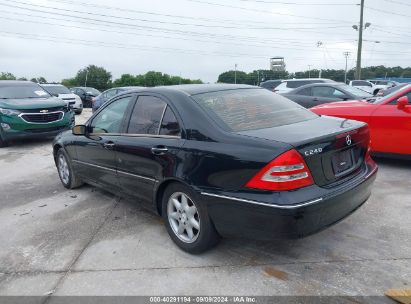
402 102
79 130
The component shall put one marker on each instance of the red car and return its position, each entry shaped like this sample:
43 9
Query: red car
388 117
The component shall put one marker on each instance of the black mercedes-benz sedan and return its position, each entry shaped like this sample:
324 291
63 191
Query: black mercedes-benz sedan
222 160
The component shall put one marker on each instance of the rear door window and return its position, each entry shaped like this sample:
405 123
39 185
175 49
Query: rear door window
147 115
169 124
251 109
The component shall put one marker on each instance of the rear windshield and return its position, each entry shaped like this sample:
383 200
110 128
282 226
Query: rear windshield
92 91
58 89
22 91
251 109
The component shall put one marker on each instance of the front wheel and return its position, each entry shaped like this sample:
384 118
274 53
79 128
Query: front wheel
187 220
67 175
3 142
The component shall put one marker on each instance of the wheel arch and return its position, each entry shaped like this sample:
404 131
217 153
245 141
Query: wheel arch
158 194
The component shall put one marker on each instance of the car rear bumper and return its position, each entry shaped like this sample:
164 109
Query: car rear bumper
233 216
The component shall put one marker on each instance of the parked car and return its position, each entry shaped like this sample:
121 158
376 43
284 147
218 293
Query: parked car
86 94
60 91
27 110
291 84
222 160
388 91
389 119
372 87
106 95
270 84
311 95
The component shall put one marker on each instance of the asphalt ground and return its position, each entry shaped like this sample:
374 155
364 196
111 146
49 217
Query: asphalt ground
60 242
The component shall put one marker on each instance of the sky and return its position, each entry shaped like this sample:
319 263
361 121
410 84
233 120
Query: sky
197 39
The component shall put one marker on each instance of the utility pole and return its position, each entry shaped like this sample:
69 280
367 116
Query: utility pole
309 71
359 50
85 82
235 73
346 55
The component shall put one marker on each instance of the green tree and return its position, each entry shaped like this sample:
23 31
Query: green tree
152 79
97 77
7 76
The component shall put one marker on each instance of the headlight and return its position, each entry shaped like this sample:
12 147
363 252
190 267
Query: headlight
9 112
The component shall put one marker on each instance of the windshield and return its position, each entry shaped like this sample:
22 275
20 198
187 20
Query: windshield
92 91
356 91
57 89
251 109
17 91
384 98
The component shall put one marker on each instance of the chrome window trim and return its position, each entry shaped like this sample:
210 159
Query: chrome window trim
162 117
42 123
113 170
136 135
263 204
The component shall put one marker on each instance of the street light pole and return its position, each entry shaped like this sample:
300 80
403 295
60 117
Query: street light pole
235 73
309 71
346 54
359 50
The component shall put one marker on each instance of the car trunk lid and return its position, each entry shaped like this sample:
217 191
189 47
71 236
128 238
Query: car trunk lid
333 148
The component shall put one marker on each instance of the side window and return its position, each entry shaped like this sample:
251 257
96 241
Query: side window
338 93
146 116
305 92
169 124
110 94
394 102
361 83
110 119
323 91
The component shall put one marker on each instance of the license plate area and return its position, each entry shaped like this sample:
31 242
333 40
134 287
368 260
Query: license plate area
342 162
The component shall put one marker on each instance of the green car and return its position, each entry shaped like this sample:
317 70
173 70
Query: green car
26 110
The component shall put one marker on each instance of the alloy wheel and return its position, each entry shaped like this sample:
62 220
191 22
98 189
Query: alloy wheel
183 217
63 168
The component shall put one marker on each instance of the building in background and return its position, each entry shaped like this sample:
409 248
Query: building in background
277 64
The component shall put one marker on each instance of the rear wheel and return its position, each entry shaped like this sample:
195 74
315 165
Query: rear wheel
78 112
67 175
187 220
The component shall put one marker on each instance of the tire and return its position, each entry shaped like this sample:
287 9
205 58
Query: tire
203 234
376 92
65 170
3 143
78 112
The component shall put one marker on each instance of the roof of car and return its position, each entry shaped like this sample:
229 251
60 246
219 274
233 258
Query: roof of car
15 82
305 79
193 89
51 84
323 84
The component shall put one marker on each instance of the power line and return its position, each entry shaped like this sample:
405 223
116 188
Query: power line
214 20
267 12
398 2
149 28
299 3
386 12
163 22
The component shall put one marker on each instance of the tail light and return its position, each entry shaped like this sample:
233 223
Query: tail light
288 171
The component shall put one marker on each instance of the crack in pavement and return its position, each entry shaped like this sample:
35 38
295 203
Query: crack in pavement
191 267
69 269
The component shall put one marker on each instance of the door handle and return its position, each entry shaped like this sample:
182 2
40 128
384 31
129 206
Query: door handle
159 150
109 145
315 99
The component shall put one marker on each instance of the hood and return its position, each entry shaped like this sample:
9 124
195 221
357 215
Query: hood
31 103
342 104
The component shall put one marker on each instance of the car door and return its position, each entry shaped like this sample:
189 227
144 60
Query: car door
391 128
96 160
147 153
323 94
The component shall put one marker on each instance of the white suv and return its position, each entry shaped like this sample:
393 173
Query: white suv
63 93
372 86
291 84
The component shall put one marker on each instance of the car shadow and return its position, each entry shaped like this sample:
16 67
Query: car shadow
394 162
